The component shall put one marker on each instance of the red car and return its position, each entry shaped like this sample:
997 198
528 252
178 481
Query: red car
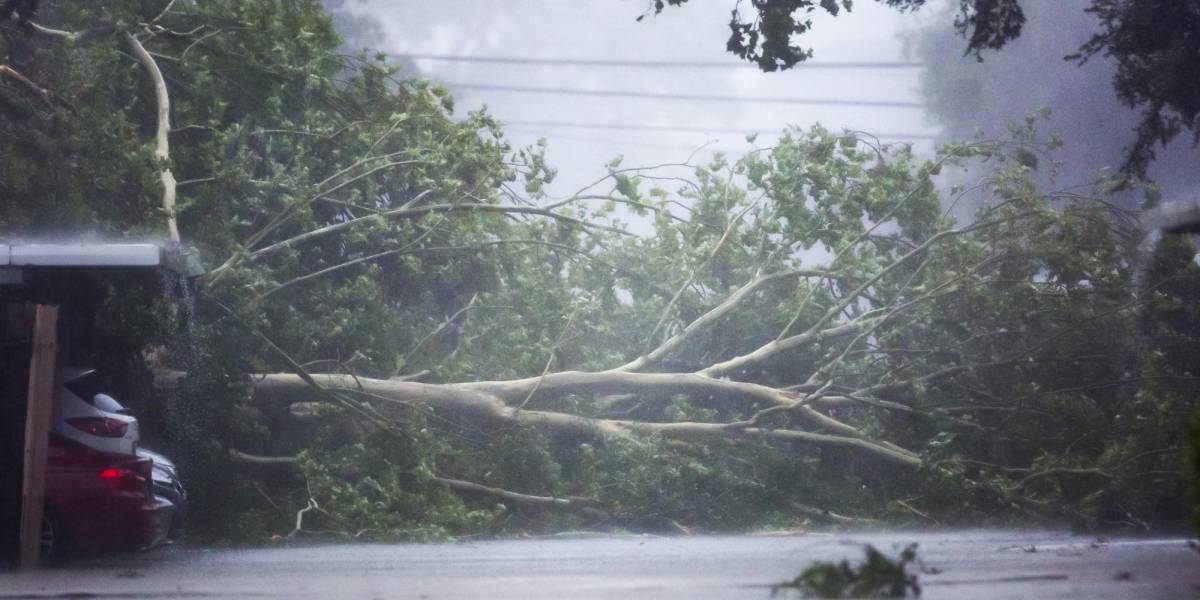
97 501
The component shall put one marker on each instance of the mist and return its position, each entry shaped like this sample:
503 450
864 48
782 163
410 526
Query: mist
645 131
965 95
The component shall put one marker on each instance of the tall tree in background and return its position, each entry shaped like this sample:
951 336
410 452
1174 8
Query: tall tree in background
966 97
1152 43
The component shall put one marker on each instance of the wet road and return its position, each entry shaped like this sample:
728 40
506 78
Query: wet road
972 564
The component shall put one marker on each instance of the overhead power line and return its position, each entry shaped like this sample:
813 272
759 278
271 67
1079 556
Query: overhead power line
649 64
690 129
694 97
628 143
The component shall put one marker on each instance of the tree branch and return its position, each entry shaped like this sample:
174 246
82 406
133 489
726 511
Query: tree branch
776 346
408 250
713 315
162 144
692 275
42 93
254 459
289 210
401 213
585 507
482 401
815 333
440 328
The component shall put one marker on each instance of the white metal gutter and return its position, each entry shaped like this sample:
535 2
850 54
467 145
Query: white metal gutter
81 255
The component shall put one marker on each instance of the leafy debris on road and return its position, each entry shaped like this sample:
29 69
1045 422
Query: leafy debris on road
878 576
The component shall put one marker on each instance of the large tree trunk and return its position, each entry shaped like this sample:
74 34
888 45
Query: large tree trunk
485 402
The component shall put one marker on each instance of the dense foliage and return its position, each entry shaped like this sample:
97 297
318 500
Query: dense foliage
803 329
877 576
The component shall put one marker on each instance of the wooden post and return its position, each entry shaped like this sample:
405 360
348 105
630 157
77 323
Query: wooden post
40 404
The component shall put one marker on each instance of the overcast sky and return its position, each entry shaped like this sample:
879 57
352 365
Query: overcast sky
608 30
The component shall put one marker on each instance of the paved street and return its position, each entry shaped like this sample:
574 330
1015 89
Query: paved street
973 564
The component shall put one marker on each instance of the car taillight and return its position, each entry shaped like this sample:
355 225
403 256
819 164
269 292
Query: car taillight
100 426
133 476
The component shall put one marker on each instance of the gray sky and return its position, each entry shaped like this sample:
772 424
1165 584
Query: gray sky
608 30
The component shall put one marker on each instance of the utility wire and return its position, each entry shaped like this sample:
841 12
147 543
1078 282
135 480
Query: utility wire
651 64
626 143
695 97
689 129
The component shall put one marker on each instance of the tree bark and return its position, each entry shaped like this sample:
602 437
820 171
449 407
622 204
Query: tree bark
162 145
485 401
42 93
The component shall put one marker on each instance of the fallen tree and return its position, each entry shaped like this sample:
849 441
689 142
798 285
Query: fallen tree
396 301
892 340
467 400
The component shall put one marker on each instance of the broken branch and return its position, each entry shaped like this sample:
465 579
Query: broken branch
162 145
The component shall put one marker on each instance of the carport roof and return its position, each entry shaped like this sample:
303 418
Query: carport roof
15 257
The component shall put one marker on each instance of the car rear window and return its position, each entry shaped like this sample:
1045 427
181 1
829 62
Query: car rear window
86 387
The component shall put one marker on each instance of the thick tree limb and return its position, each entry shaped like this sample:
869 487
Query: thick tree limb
480 402
610 382
162 145
617 382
